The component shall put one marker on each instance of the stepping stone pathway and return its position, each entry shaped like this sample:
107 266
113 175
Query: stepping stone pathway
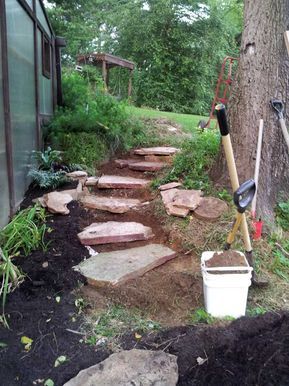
210 209
109 204
147 166
114 232
134 367
118 182
157 151
112 268
161 158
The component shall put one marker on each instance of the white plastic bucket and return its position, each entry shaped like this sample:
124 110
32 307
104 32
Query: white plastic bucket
225 294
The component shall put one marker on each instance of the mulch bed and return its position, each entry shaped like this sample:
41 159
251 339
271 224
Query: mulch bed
249 351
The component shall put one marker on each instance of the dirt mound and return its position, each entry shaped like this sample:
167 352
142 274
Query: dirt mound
250 351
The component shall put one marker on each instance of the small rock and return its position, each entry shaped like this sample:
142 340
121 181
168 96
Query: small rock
134 367
77 174
45 264
176 211
91 181
114 232
170 185
57 202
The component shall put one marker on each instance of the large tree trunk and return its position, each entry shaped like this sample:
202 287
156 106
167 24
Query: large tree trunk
263 73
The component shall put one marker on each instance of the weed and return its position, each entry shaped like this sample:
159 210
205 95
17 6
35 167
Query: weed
282 215
255 311
117 320
201 316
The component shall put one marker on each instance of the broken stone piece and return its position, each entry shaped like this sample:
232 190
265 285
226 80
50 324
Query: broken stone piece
113 268
168 196
134 367
91 181
170 185
56 202
147 166
123 163
173 210
210 209
188 199
77 174
118 182
109 204
157 151
114 232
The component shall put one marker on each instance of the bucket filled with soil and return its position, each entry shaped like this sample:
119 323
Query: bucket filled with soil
226 280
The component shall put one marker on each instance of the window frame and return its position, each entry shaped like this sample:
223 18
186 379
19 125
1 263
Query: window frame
46 56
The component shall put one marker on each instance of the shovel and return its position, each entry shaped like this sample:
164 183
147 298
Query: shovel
227 144
278 106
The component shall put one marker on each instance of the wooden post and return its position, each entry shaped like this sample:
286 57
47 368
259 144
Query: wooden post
104 74
130 83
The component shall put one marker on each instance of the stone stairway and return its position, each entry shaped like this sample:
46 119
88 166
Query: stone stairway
117 266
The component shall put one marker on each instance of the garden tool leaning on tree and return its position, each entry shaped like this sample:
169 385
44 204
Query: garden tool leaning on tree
226 140
278 106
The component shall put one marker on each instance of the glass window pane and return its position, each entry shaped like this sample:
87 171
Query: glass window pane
41 17
20 40
4 192
45 84
30 3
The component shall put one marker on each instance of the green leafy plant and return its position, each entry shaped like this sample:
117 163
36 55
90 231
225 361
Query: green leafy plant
48 179
201 316
282 215
47 158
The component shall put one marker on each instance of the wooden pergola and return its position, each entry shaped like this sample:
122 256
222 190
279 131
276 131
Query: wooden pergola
106 62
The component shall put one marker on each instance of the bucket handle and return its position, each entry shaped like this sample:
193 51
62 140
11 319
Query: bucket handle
227 268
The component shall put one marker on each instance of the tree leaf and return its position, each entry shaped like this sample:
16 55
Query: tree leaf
27 342
60 360
49 382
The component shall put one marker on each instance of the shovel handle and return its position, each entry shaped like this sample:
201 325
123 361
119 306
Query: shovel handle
278 106
244 195
222 119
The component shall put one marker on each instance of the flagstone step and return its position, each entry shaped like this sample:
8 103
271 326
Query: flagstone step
159 158
119 182
119 266
114 232
166 150
147 166
123 163
109 204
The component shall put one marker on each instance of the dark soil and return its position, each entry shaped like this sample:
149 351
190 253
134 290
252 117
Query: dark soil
249 351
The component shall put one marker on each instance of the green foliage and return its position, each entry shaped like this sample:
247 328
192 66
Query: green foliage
25 232
280 265
282 214
256 311
84 149
22 235
201 316
116 320
191 165
47 158
179 58
48 179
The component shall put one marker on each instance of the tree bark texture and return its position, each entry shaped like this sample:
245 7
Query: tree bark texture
263 73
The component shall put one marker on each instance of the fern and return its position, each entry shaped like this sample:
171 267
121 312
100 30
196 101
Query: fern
48 179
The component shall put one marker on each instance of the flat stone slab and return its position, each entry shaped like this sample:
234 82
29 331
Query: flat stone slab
210 209
170 185
173 210
109 204
56 202
159 158
147 166
168 196
118 182
91 181
128 368
112 268
156 151
114 232
188 199
123 163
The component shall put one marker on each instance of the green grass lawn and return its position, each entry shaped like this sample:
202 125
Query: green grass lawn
188 121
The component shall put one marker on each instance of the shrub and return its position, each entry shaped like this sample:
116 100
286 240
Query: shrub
47 179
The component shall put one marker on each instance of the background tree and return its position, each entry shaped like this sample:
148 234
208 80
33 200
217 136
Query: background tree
263 73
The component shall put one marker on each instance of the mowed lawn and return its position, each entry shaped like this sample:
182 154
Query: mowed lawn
189 122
